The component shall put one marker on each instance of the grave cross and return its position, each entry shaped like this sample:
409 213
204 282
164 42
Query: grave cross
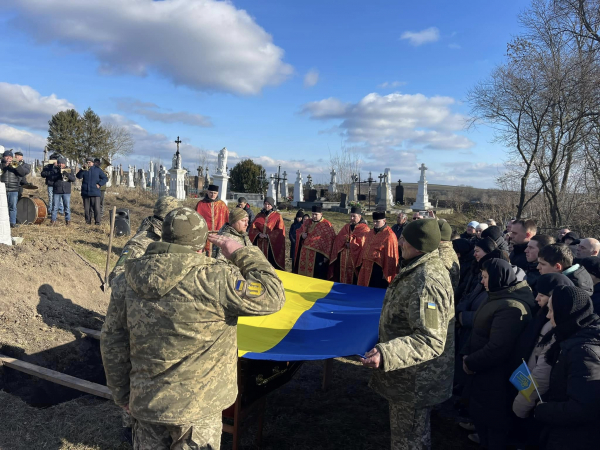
178 141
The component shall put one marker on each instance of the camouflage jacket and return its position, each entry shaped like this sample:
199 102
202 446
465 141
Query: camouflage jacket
450 260
229 231
169 341
148 232
416 335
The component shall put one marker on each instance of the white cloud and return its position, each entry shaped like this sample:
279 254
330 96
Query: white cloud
454 46
391 84
426 36
17 139
24 106
311 78
478 174
154 112
378 122
203 44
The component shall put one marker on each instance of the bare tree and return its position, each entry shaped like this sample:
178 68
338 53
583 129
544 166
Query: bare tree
119 142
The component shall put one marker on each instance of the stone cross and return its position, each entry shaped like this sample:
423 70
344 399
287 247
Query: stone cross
423 169
332 184
298 189
163 189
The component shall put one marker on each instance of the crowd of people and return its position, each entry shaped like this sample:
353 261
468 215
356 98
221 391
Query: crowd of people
14 173
460 314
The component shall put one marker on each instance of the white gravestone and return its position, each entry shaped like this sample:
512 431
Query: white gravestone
388 174
422 202
151 175
298 189
5 237
221 178
332 184
271 189
130 173
163 189
352 195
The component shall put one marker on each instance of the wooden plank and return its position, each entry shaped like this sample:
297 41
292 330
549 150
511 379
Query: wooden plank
57 377
91 333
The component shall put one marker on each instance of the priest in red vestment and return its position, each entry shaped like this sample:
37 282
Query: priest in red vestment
267 232
214 211
314 241
379 258
347 248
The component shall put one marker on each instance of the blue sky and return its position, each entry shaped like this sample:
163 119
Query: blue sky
282 82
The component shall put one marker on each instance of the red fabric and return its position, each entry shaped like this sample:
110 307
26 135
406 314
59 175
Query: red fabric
348 257
275 229
319 240
216 215
381 249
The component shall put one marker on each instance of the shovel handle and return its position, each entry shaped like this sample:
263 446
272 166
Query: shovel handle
110 238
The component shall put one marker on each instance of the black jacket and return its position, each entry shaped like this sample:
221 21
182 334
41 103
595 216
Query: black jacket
518 257
496 328
55 179
596 298
533 274
250 215
89 179
397 229
11 176
465 262
580 278
46 171
571 408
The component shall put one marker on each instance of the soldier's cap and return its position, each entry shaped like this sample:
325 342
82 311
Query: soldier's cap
317 209
237 214
270 201
356 210
89 160
213 188
445 230
378 215
242 200
18 153
7 153
61 160
423 234
164 205
184 226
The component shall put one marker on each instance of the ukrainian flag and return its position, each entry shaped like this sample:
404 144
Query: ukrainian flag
523 381
320 320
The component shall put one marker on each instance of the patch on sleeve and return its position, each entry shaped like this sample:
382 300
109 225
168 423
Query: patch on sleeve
123 258
431 315
254 289
431 305
239 286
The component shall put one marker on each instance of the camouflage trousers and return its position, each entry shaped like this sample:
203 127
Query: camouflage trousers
410 428
202 434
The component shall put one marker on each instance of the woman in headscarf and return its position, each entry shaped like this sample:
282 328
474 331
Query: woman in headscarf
496 234
292 234
571 408
496 327
528 348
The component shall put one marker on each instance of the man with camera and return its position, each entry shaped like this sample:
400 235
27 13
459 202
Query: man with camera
93 177
12 173
60 178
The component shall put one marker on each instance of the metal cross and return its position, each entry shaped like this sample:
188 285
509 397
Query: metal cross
178 141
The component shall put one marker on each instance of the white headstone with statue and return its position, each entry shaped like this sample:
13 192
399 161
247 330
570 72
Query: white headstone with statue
333 183
422 202
220 178
130 183
177 175
163 189
298 189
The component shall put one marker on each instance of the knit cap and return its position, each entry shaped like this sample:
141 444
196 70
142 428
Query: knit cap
473 224
462 246
548 282
184 226
237 214
445 230
270 201
568 302
423 234
493 232
164 205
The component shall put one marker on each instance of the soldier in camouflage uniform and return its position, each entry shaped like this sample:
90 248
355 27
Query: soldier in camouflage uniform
169 342
234 229
447 253
149 231
415 354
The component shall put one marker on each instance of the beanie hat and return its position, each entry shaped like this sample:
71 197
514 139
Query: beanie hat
482 226
242 200
493 232
445 230
300 213
462 246
473 224
486 244
548 282
378 215
423 234
270 201
164 205
89 160
237 214
97 160
61 160
571 235
7 153
184 226
592 265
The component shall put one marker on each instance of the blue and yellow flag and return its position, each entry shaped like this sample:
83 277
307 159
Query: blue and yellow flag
523 381
320 320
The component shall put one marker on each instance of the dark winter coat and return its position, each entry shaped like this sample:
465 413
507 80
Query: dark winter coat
596 298
47 170
580 278
466 266
397 229
532 276
571 408
496 328
55 179
518 257
89 179
11 176
250 215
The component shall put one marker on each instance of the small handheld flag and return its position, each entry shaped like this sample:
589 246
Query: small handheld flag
524 381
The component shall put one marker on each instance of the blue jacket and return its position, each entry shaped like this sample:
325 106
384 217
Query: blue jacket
90 178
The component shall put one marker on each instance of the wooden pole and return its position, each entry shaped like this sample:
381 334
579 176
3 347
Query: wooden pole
110 238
